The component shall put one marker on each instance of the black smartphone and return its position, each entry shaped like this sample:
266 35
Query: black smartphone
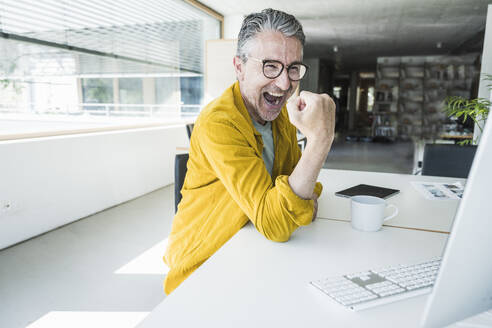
367 190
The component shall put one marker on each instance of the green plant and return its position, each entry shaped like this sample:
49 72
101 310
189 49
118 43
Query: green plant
5 83
476 109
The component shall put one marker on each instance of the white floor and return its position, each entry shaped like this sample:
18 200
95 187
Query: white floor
106 270
103 271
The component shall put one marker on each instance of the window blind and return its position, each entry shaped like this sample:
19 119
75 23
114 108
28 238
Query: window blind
164 34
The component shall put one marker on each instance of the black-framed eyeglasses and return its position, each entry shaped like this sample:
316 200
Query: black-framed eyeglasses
273 68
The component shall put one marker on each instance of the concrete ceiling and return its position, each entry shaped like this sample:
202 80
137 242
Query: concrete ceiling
363 30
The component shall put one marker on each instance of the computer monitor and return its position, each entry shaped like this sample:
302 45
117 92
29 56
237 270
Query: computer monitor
464 283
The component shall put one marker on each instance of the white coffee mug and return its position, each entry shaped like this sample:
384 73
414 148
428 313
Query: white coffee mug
368 212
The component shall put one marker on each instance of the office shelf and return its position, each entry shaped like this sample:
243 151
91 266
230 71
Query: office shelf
411 91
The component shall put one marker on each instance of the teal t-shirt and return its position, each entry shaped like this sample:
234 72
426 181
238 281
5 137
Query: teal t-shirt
268 150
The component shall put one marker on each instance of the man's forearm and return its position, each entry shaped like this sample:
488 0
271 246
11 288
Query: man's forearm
303 178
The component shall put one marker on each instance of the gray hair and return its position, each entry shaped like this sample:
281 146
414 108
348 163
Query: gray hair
268 20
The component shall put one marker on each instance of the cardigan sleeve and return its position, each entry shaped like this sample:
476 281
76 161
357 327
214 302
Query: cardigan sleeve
274 209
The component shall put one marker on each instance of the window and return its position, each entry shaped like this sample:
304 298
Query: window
337 91
168 95
95 92
130 93
106 59
370 99
191 94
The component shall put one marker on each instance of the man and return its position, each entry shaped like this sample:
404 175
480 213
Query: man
245 164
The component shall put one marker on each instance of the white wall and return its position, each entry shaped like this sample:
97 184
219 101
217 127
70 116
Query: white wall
48 182
219 69
486 68
232 25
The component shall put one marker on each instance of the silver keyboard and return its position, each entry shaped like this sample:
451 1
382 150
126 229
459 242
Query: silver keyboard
371 288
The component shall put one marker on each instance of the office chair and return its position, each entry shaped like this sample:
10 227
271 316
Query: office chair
189 129
447 160
180 169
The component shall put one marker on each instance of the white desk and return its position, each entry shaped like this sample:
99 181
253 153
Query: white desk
253 282
414 210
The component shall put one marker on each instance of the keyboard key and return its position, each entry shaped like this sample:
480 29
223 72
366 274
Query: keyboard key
412 287
364 286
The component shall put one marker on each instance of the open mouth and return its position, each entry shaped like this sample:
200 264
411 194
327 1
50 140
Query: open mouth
273 99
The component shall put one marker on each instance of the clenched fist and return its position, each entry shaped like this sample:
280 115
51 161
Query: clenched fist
314 115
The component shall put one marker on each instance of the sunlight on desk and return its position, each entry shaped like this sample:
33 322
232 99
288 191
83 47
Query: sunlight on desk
76 319
149 262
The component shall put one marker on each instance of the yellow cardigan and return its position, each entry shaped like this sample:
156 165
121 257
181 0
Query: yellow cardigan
227 184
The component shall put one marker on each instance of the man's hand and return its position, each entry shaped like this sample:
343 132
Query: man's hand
314 115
